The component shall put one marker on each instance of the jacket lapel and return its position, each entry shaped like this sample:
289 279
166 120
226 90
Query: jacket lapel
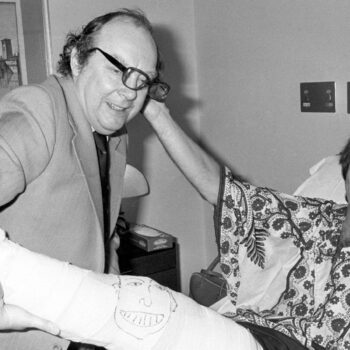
84 147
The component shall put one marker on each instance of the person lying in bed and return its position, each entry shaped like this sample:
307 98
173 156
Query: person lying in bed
279 253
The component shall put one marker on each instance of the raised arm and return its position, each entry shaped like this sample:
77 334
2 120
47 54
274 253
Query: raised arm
200 169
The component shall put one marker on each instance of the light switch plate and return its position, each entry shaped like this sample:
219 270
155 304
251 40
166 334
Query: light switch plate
317 97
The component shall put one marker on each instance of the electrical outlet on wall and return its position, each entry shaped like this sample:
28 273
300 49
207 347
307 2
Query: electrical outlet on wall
317 97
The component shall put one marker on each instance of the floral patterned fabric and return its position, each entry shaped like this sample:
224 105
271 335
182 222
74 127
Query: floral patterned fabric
255 225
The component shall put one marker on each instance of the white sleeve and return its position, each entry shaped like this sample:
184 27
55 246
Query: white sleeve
116 312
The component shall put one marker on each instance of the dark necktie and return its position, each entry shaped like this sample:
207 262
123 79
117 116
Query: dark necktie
103 162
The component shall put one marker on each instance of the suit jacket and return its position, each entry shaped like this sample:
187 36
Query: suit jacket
50 191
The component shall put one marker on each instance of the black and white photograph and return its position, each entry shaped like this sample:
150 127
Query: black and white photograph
174 174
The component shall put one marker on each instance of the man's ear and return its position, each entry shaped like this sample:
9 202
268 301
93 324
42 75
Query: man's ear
74 63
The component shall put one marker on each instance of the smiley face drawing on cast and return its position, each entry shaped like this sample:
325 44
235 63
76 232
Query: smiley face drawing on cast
143 306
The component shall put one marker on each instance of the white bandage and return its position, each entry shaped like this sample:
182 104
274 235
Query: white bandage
116 312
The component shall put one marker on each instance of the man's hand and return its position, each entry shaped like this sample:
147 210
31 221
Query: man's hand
16 318
153 109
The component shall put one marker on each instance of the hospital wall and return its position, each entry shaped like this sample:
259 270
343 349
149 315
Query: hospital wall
255 54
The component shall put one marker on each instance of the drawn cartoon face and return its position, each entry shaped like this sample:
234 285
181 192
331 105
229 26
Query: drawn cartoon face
143 307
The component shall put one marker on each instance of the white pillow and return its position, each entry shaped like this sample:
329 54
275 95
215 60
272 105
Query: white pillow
325 181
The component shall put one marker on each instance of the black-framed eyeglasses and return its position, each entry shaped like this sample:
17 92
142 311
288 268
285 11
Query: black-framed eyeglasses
135 79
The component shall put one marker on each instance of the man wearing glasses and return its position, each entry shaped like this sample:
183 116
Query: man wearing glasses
63 148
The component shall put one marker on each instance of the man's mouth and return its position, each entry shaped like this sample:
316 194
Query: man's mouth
116 107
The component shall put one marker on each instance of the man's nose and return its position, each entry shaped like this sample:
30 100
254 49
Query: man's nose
129 94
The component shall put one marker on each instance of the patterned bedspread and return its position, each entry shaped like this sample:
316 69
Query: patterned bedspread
277 255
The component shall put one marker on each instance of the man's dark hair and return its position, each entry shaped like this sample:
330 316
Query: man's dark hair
84 40
344 159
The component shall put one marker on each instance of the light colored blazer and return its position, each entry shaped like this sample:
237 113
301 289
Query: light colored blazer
50 192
